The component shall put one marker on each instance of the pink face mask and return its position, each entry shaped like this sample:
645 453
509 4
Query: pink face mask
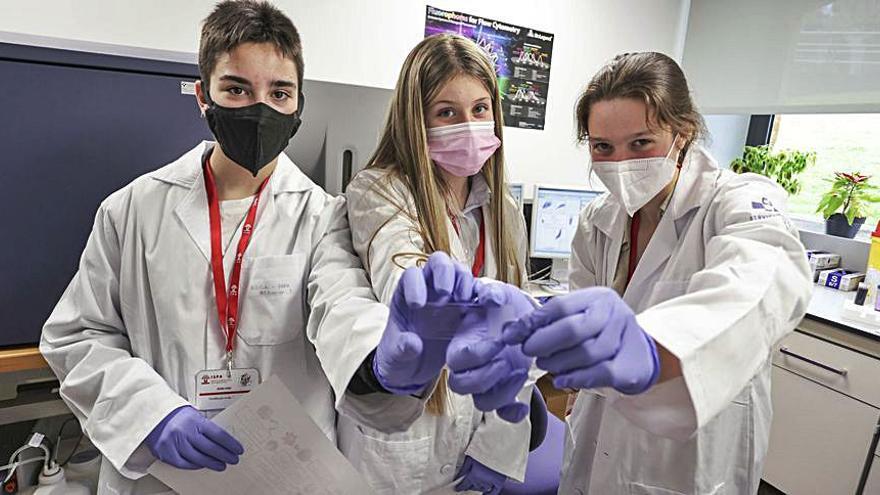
462 149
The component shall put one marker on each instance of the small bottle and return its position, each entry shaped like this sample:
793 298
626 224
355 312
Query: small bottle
861 294
877 299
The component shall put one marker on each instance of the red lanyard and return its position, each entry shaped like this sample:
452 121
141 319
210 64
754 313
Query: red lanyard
633 246
480 255
227 302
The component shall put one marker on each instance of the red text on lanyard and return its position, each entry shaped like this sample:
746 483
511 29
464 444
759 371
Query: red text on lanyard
227 302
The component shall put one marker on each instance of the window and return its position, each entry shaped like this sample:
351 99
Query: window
842 142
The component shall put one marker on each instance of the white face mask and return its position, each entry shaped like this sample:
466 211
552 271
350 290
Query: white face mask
635 182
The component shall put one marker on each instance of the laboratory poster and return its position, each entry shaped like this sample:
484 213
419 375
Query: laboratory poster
521 56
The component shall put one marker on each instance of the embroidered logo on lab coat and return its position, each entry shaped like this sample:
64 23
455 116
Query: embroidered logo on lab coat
764 209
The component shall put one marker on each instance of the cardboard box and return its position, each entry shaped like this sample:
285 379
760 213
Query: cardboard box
840 279
822 260
559 402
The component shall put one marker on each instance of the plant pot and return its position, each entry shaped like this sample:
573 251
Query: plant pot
838 225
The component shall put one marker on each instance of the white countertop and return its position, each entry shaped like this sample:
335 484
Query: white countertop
828 305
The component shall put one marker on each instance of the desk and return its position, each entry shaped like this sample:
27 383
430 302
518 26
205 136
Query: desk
21 359
810 435
824 421
827 305
26 366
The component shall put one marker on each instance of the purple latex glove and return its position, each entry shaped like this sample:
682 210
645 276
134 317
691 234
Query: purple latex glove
589 339
412 350
187 440
493 372
477 477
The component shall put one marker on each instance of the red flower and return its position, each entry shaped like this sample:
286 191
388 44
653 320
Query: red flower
855 177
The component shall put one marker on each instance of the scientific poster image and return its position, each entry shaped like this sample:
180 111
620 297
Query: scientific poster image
522 59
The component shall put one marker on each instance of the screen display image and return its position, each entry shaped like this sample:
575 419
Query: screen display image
555 214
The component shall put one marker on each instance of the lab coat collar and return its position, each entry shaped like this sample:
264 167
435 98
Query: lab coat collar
610 216
654 258
695 182
193 208
479 194
478 197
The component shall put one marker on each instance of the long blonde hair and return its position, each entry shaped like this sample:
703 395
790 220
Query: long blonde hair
403 150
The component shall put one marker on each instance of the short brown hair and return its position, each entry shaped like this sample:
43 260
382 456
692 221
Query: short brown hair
234 22
651 77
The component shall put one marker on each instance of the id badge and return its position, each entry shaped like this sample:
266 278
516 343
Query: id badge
218 389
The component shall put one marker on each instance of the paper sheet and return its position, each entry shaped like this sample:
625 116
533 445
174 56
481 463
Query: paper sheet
285 452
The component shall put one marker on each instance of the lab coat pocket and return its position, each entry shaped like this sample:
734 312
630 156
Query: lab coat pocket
272 311
394 466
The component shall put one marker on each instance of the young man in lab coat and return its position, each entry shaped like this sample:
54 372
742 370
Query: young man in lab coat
231 231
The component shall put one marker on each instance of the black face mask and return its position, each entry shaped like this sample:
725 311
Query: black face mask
254 135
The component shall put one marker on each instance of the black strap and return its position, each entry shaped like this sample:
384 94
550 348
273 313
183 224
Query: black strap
364 381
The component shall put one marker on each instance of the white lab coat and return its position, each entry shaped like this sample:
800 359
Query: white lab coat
426 457
722 279
139 320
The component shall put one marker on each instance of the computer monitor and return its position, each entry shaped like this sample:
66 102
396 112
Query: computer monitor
516 190
555 212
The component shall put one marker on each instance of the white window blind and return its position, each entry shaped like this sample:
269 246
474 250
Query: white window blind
784 56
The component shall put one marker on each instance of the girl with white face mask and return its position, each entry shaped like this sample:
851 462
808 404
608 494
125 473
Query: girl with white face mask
436 183
683 279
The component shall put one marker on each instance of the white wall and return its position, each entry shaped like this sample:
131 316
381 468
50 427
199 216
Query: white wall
365 42
727 137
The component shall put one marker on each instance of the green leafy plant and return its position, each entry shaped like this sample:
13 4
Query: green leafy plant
850 194
783 166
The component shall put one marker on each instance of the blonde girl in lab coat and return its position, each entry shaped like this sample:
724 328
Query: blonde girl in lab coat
436 183
684 276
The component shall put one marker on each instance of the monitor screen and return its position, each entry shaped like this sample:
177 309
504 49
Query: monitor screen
516 190
555 214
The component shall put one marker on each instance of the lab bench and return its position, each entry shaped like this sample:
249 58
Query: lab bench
826 404
28 388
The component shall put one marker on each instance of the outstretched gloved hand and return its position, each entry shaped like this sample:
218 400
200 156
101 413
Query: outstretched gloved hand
483 365
425 313
588 339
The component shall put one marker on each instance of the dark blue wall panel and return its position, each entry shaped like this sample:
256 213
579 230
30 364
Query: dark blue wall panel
75 127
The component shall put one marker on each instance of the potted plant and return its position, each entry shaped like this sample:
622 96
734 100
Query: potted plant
783 166
846 204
